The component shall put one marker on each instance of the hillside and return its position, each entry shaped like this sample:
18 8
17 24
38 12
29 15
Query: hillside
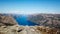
7 20
51 20
8 25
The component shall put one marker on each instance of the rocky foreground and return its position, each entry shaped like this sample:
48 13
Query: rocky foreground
8 25
16 29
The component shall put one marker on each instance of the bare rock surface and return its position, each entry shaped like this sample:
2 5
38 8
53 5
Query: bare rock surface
8 25
7 20
52 20
16 29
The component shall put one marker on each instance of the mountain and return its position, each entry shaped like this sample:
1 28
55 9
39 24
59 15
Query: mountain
8 24
51 20
7 20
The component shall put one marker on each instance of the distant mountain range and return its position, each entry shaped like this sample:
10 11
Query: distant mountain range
51 20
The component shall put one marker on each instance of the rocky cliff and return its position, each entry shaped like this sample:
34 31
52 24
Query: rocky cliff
6 20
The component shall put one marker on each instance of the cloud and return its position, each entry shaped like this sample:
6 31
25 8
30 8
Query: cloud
18 12
28 12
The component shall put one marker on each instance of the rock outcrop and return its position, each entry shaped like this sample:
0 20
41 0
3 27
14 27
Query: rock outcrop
16 29
7 20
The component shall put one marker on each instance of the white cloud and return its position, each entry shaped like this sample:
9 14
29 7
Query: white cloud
19 12
27 12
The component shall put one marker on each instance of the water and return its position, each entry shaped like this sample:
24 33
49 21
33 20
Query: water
22 20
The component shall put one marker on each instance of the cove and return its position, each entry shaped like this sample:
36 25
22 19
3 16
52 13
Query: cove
22 20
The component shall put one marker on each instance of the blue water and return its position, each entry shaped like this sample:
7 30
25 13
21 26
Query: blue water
22 20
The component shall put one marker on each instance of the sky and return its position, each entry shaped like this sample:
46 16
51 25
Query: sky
29 6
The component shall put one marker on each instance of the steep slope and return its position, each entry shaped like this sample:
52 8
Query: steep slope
7 20
52 20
